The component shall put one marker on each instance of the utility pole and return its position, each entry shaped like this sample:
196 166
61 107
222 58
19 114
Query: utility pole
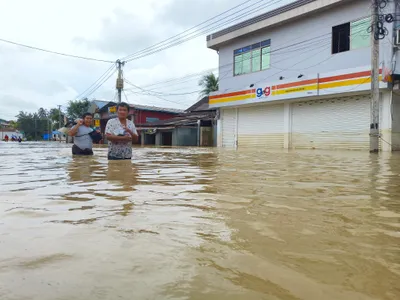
59 116
35 130
59 119
120 80
49 129
374 126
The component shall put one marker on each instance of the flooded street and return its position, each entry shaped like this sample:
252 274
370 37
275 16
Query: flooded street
198 224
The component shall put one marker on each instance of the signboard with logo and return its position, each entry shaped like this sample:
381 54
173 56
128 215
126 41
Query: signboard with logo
112 109
96 123
318 84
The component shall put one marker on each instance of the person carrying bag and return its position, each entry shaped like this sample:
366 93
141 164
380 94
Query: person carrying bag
84 136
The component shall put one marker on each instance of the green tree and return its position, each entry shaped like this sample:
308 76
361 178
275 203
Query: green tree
34 125
77 108
209 84
54 116
14 124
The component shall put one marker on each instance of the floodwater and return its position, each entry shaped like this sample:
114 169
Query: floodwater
198 224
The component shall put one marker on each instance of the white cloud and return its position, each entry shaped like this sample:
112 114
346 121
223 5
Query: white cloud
103 29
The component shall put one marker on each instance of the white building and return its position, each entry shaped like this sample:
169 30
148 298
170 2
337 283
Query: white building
300 77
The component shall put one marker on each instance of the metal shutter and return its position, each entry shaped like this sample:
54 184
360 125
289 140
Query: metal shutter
229 123
337 123
261 126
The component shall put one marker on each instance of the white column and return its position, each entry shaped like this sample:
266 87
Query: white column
386 121
395 112
219 133
236 128
287 127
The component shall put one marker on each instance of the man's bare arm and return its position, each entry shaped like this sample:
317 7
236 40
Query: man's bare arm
117 138
74 129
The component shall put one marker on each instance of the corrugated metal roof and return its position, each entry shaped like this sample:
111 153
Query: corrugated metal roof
201 105
146 107
155 108
262 17
100 103
182 120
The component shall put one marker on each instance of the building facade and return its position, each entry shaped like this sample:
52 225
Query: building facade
139 114
300 77
195 127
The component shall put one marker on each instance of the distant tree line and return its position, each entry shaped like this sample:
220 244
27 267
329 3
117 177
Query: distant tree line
35 125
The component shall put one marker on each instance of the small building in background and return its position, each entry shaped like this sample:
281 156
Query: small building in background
10 132
7 129
194 127
139 114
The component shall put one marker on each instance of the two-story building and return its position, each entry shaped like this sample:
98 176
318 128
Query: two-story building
300 77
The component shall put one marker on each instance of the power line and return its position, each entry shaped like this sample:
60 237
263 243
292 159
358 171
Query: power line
161 98
81 95
179 40
54 52
165 94
241 4
99 84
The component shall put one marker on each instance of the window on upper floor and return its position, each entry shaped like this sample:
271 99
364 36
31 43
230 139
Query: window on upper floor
350 36
252 58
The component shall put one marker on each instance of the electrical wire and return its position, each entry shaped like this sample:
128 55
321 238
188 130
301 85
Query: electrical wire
81 95
94 89
126 97
54 52
180 40
161 98
241 4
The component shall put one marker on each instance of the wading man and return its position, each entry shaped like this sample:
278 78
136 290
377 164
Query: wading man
120 133
83 143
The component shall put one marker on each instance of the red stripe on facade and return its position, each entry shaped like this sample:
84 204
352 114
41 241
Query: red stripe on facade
233 94
294 84
347 76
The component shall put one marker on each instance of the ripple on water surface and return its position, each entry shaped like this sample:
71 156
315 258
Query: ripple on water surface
198 224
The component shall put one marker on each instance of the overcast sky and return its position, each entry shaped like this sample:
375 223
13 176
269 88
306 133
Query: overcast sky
107 30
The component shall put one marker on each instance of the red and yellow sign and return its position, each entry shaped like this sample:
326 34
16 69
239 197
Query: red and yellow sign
96 123
358 79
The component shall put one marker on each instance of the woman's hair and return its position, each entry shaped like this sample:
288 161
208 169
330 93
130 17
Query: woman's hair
123 104
85 115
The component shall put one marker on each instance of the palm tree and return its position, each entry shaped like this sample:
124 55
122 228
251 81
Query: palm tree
209 84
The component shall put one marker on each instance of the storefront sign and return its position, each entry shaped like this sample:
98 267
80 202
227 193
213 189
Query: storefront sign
331 83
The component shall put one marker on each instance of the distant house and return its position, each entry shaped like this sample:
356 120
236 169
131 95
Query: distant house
96 105
10 132
7 129
195 127
140 114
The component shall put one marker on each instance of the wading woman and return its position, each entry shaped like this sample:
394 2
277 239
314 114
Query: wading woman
120 133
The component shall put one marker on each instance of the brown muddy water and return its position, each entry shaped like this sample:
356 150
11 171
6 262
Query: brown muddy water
198 224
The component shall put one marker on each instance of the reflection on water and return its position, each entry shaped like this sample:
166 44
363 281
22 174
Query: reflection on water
198 224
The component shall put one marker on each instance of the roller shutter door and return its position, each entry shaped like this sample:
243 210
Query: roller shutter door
337 123
261 126
229 123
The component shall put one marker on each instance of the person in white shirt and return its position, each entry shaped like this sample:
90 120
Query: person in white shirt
120 133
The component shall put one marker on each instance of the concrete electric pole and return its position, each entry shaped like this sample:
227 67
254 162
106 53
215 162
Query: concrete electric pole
120 80
59 116
59 119
374 126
